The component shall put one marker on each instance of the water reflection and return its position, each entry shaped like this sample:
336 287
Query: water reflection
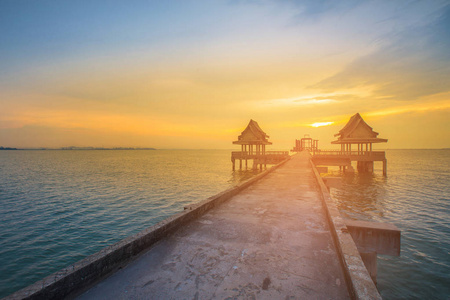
239 176
361 195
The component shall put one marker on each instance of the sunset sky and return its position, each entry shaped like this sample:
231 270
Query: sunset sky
191 74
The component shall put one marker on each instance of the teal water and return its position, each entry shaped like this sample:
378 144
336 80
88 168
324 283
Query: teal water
415 196
56 207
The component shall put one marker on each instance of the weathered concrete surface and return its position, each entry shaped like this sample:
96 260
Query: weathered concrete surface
332 182
372 238
271 241
382 238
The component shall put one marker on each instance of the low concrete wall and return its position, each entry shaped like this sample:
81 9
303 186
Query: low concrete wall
89 270
359 282
382 238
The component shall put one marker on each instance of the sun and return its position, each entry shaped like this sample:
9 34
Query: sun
319 124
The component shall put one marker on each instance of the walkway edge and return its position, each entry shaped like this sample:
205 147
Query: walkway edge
359 283
96 266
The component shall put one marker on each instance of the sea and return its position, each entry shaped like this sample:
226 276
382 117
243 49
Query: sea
59 206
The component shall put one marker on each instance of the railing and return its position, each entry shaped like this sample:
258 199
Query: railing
277 152
352 155
349 153
248 155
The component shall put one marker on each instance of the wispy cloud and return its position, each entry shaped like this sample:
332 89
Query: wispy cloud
421 107
414 64
317 8
301 101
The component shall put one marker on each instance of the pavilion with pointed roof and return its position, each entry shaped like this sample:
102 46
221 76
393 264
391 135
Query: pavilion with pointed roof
253 141
253 135
355 132
358 132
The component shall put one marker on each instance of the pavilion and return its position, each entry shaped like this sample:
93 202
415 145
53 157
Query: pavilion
253 141
359 134
306 143
356 131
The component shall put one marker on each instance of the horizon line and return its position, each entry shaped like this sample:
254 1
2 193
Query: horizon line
153 148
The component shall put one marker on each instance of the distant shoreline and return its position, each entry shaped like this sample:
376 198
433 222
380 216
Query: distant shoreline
132 148
78 148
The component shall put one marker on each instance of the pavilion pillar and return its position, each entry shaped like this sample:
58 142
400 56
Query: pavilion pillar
264 155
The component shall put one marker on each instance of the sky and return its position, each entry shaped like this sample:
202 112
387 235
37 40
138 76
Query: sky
191 74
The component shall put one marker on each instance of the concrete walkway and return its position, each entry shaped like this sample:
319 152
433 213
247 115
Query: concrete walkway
271 241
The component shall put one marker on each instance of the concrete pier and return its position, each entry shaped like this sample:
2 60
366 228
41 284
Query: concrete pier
270 241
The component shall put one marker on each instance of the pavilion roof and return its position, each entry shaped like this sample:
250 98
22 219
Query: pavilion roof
252 134
357 131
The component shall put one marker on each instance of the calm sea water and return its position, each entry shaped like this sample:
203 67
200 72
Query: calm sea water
57 207
415 196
